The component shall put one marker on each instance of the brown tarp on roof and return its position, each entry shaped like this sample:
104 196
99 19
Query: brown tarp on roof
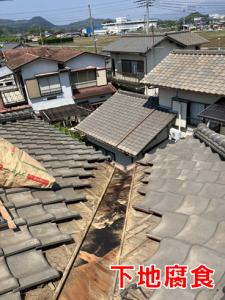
66 111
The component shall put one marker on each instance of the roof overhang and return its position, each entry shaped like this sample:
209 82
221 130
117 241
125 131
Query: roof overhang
83 69
5 71
46 74
179 89
125 152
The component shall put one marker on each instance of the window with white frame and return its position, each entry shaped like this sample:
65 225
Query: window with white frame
49 85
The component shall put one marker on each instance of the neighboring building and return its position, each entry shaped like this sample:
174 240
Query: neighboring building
122 25
11 46
217 16
197 19
187 25
51 78
34 37
89 31
100 32
2 61
132 57
188 82
127 126
73 33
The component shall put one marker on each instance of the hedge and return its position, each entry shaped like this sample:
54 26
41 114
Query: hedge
55 40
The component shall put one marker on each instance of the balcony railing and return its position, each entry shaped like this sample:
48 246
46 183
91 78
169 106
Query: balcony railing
126 77
13 96
83 85
4 88
51 92
193 123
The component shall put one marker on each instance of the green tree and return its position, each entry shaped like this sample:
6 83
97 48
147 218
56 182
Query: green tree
106 22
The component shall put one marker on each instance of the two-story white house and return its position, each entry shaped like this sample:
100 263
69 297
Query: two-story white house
134 56
48 78
189 81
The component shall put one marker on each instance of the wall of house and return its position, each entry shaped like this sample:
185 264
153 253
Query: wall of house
126 160
161 137
151 92
40 67
162 50
121 158
118 56
86 60
165 96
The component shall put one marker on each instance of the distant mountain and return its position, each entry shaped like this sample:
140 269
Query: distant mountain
35 22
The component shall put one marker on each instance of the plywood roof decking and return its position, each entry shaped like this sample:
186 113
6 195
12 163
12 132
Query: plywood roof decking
126 121
68 160
66 111
198 71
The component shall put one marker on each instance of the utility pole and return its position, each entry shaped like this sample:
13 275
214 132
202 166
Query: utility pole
145 23
41 35
185 8
92 28
153 48
147 6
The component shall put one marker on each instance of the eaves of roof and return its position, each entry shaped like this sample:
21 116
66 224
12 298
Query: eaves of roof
93 91
184 45
121 150
139 52
187 90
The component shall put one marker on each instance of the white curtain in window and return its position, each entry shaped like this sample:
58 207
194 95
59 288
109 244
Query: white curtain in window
196 108
133 67
43 83
54 82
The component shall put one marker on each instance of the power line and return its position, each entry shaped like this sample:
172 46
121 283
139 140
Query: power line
69 9
68 19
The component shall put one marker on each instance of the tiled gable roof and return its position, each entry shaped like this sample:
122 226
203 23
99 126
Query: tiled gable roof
126 121
191 70
17 58
186 38
144 43
134 44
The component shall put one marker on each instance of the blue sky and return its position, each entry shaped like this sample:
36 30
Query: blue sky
68 11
